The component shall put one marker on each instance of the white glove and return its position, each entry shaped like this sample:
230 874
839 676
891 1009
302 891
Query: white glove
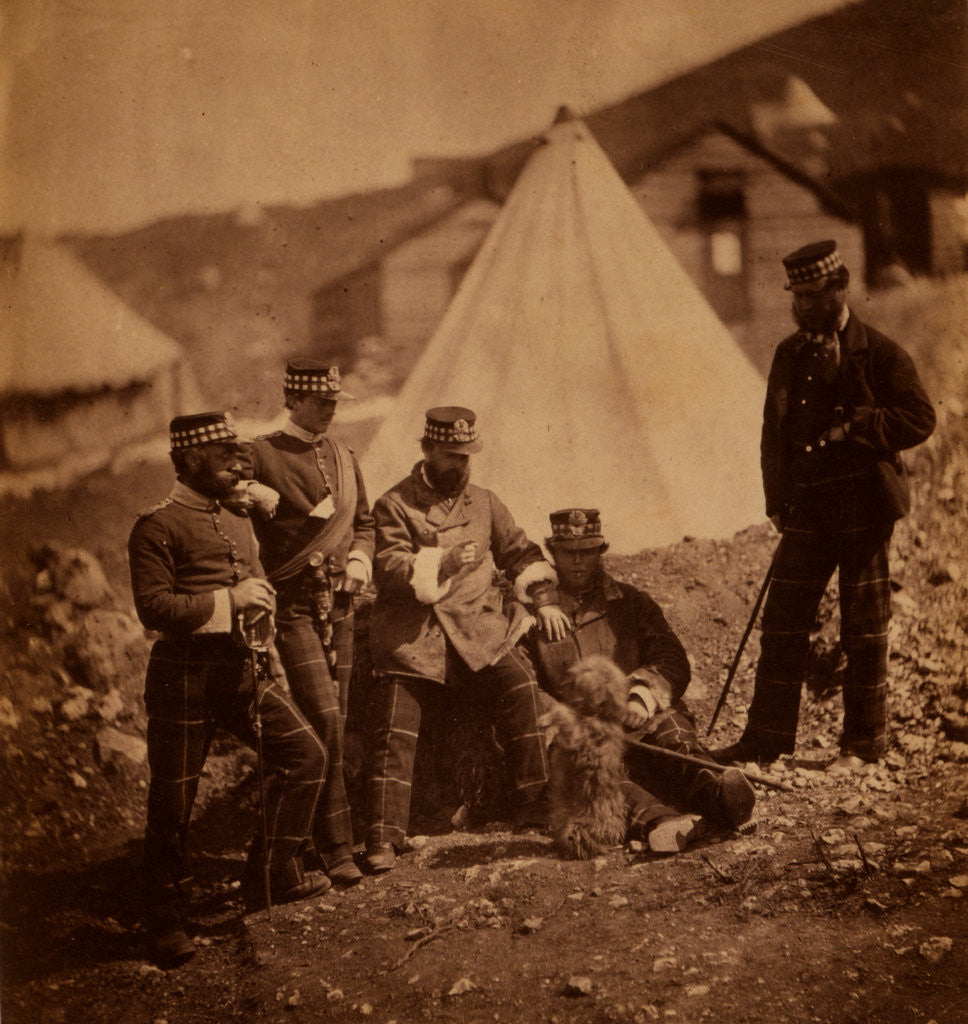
265 499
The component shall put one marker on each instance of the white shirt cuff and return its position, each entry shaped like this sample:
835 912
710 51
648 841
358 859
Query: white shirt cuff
221 620
359 556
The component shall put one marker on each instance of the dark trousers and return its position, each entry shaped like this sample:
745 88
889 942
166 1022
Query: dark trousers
402 701
322 700
805 562
193 687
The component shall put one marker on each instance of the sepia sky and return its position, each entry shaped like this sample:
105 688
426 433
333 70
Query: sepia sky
116 112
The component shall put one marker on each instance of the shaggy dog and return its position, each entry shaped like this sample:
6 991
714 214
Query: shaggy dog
587 806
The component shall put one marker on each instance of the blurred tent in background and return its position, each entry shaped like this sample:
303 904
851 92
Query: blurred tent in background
80 372
599 374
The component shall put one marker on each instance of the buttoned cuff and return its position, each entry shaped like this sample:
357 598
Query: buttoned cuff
221 618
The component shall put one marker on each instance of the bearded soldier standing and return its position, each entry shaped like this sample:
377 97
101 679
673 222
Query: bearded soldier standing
194 572
842 402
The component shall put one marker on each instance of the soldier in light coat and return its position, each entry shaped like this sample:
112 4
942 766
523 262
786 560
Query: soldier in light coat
438 621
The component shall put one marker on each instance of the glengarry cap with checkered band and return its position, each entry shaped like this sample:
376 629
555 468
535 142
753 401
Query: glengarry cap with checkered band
305 376
453 427
812 264
576 528
203 428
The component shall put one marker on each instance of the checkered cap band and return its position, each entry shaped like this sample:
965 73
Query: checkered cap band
193 431
575 524
319 382
815 270
458 432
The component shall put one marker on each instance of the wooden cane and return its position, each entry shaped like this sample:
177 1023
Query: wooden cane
742 643
760 780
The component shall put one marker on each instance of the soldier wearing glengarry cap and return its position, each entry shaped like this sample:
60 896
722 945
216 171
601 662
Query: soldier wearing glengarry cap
194 570
842 402
315 532
438 621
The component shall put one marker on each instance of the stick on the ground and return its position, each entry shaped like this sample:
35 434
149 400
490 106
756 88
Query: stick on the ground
825 860
437 931
868 870
761 780
719 871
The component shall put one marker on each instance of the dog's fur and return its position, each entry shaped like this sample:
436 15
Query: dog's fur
587 806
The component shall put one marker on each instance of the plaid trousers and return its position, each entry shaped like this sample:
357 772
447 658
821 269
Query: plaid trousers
805 562
402 701
323 702
658 785
192 687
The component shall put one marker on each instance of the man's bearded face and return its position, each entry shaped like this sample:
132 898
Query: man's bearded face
213 469
819 311
448 472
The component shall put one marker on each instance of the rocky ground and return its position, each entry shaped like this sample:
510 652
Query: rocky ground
842 901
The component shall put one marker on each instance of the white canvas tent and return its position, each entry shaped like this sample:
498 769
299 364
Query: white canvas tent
80 371
599 374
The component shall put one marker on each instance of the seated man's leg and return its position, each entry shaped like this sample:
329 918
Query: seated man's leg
662 827
398 705
516 691
725 798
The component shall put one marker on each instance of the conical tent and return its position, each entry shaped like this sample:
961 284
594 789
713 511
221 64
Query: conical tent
80 372
599 374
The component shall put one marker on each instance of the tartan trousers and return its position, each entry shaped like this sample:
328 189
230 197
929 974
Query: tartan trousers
805 562
401 702
192 687
659 786
322 700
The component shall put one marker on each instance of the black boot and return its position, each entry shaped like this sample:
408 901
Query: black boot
744 750
168 937
287 884
724 798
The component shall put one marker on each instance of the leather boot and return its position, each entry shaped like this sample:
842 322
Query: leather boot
725 799
168 938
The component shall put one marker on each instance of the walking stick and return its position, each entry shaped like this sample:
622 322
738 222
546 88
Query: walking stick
761 780
257 635
742 643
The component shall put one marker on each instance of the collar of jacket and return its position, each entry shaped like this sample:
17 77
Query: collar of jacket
294 430
604 585
184 495
852 336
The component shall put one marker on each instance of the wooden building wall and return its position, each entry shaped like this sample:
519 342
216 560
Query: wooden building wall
719 205
421 275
